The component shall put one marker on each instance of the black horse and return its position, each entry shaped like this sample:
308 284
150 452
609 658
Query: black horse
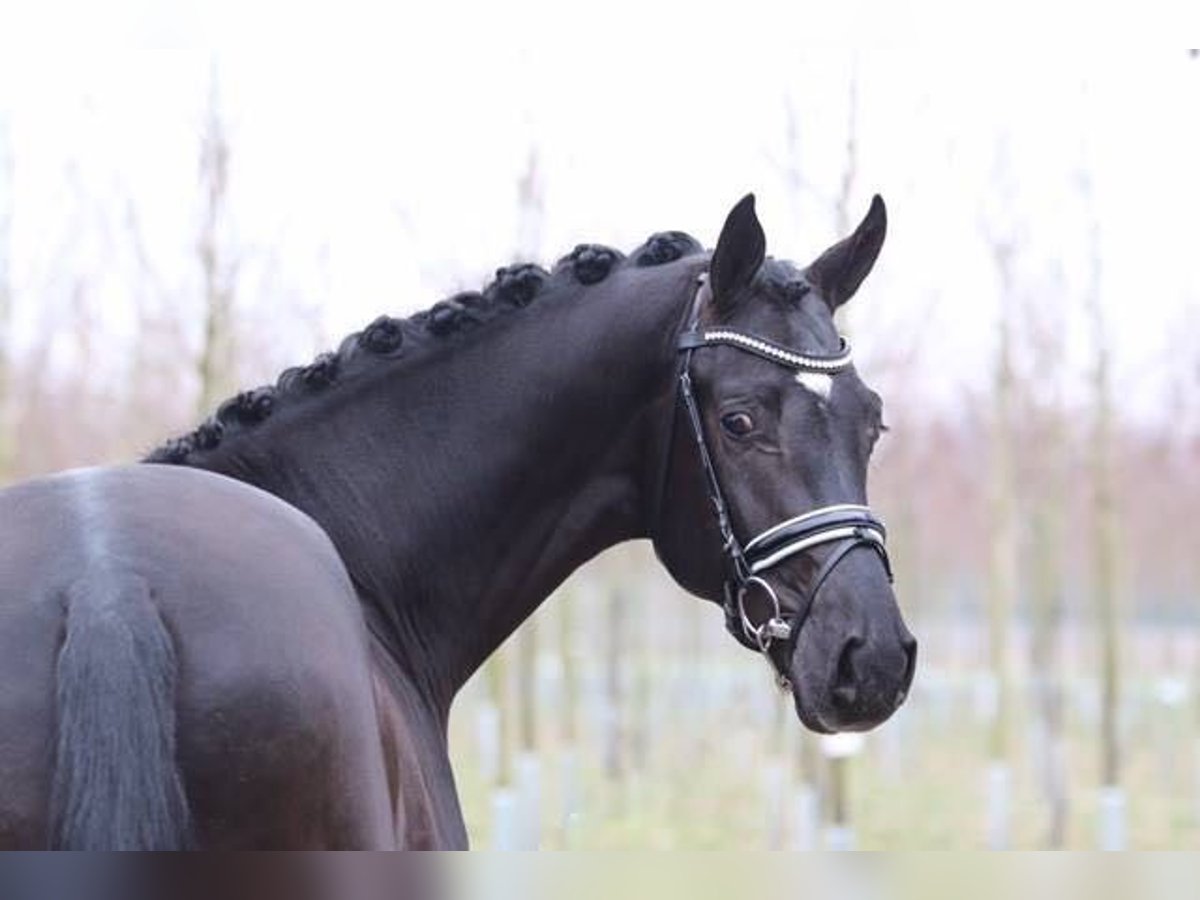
254 640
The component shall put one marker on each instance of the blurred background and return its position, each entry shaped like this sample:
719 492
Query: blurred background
178 223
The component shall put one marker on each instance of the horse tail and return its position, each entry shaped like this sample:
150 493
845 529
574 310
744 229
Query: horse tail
116 785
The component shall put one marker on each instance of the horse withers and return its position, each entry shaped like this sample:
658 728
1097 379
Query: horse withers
253 638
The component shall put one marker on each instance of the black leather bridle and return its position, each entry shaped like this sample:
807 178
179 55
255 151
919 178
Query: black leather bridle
844 526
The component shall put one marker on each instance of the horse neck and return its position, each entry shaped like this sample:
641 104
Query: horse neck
464 488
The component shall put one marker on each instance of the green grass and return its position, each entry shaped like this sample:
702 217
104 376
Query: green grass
699 786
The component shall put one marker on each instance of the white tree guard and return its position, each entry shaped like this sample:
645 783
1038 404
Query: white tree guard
1112 818
999 806
506 820
529 790
806 818
571 792
487 737
774 788
839 838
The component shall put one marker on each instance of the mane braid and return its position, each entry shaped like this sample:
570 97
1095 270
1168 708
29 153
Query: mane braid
513 287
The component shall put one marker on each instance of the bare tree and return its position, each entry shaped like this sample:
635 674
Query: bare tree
1002 242
1045 472
569 715
1103 522
218 263
497 684
161 338
842 214
797 183
616 614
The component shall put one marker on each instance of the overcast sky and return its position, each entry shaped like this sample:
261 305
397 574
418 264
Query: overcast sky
376 169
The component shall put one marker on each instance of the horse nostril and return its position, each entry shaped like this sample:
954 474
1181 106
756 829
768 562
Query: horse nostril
909 643
845 682
844 695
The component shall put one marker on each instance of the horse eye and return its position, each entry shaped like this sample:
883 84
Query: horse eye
737 424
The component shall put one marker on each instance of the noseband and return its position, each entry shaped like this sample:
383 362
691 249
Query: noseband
845 526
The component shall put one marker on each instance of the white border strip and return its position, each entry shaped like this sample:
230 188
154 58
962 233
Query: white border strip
838 507
824 537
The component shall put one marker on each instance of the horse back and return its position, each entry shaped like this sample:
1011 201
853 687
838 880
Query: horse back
277 738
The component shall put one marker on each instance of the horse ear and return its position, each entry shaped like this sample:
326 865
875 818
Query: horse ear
740 252
839 271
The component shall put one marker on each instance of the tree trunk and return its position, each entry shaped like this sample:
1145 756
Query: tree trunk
569 776
614 741
1104 547
497 682
1047 473
569 659
527 718
217 269
1104 541
1046 659
1002 571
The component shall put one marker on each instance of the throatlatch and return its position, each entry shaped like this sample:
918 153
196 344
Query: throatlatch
846 526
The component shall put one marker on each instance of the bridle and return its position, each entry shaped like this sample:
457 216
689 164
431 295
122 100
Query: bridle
845 526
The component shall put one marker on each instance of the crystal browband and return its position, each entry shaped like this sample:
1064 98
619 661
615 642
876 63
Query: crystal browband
770 351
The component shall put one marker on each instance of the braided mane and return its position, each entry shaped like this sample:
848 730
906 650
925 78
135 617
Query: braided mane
388 338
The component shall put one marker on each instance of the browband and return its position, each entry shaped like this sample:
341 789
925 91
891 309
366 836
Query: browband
770 351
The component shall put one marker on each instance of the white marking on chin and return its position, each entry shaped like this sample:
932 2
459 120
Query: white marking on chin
821 385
